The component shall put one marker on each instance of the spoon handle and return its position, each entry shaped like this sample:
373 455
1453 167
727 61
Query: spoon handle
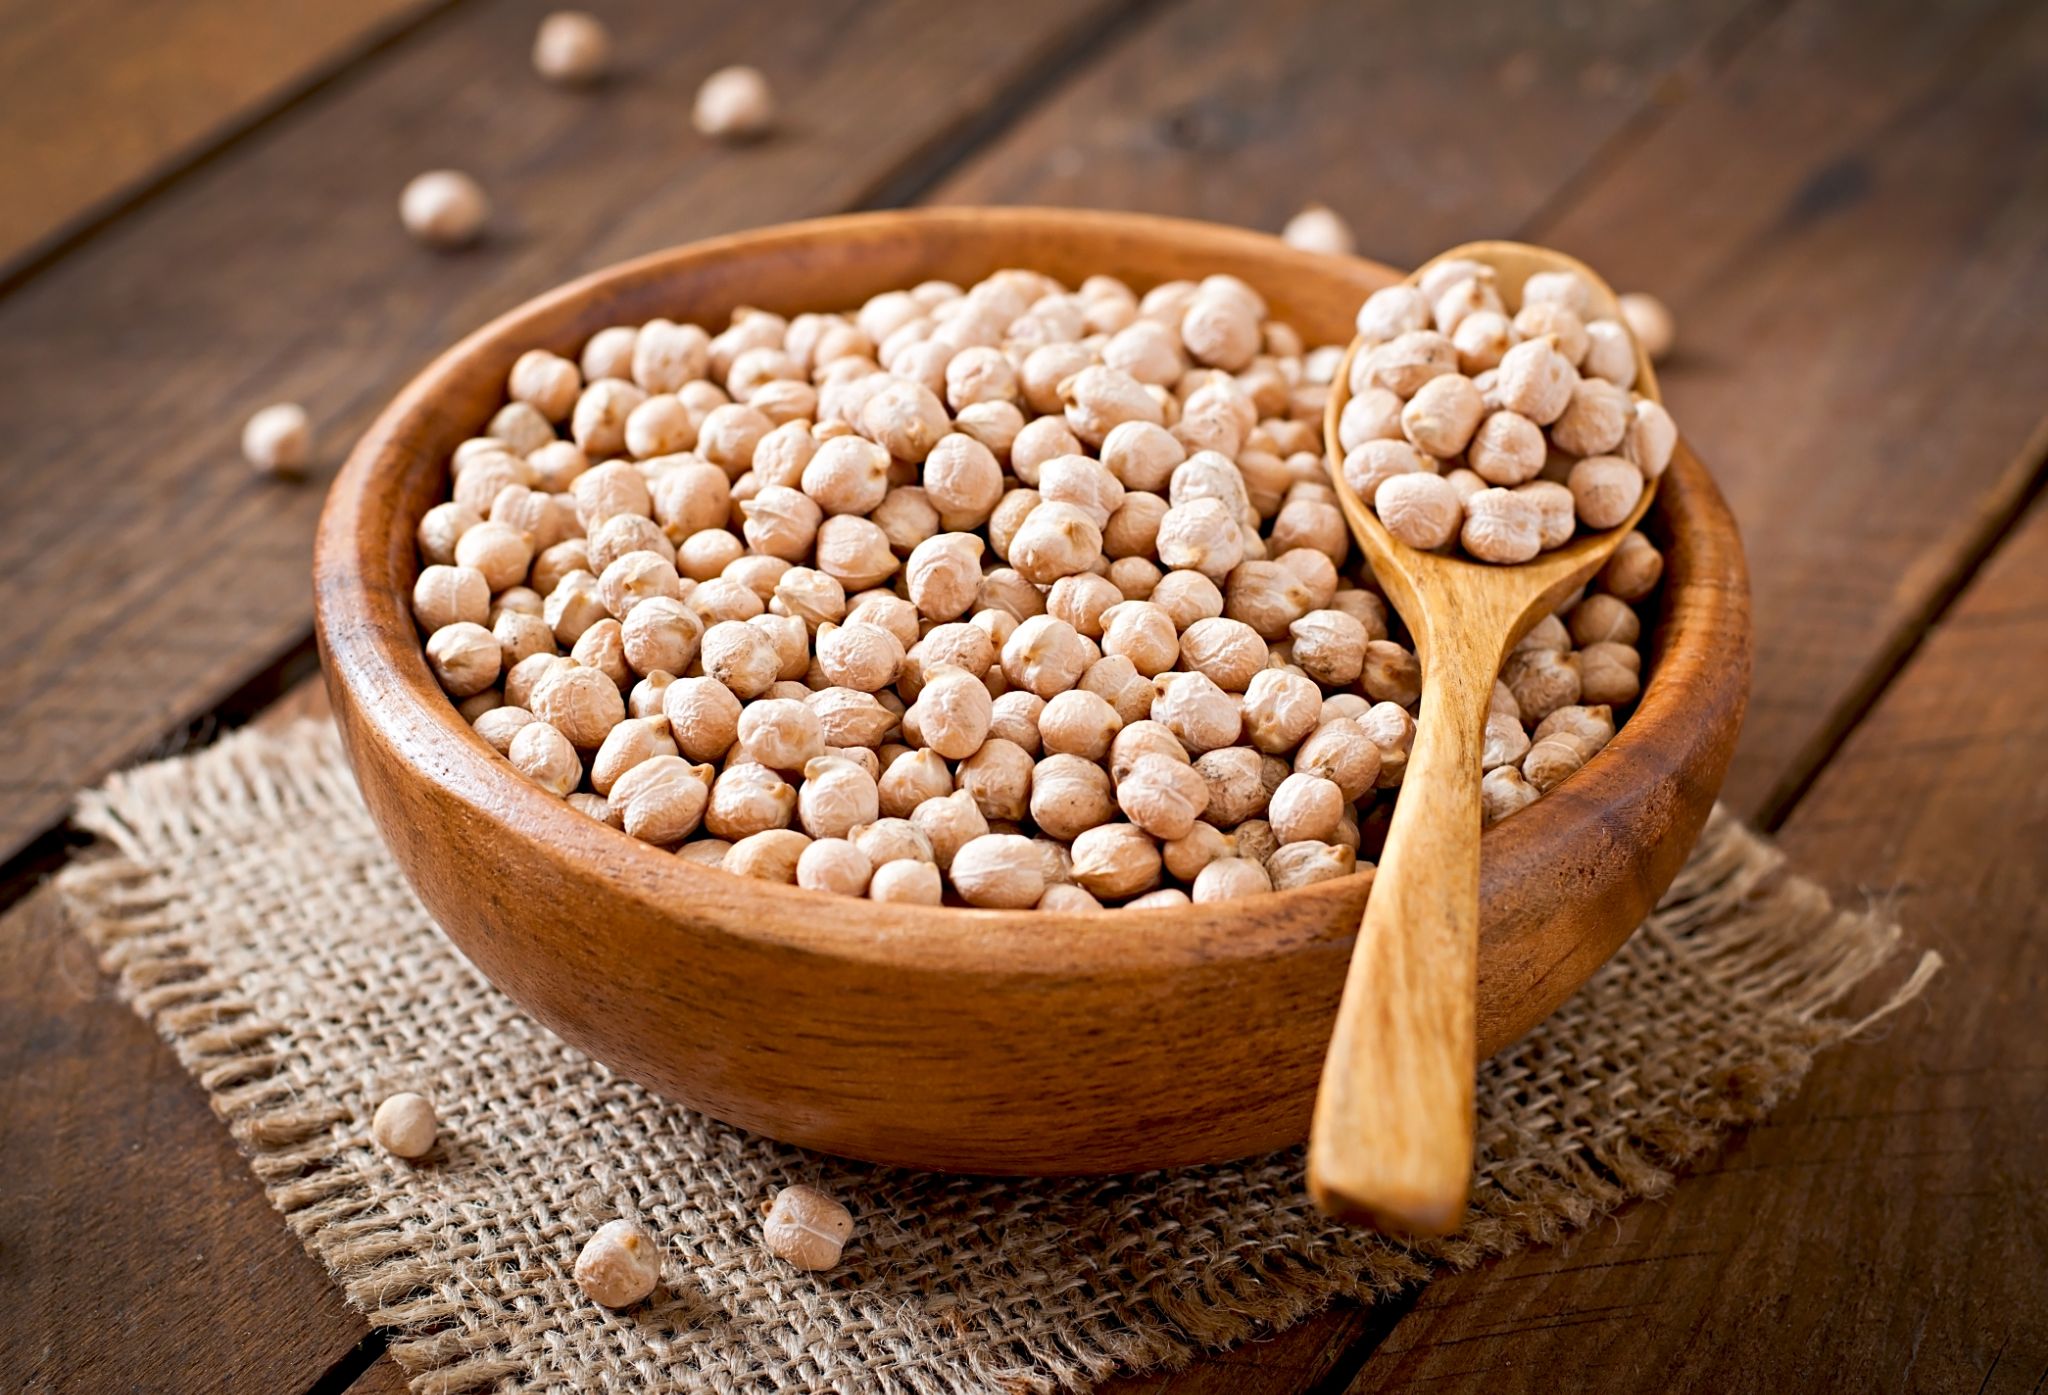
1391 1142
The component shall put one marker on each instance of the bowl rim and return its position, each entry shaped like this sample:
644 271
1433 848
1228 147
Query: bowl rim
369 647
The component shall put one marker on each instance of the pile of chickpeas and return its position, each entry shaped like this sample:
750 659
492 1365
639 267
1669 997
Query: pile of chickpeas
1008 596
1498 433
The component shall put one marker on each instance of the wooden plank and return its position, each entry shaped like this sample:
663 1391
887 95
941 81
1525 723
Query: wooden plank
281 273
1424 125
100 97
1888 1230
1848 224
139 1253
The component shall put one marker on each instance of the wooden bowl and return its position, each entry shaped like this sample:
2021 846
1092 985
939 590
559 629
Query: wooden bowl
975 1041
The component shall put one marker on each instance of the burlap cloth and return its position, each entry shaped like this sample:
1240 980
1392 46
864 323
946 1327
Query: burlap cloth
251 914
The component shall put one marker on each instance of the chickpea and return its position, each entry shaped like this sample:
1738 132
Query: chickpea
953 712
1116 860
581 703
444 595
1535 321
498 552
1136 577
1342 752
1634 569
847 475
1423 511
1045 656
1306 863
1068 794
943 575
1595 420
1280 710
907 882
1610 352
1610 673
837 796
858 655
1269 597
855 551
445 209
1163 796
772 855
911 780
661 799
999 870
1055 540
1078 723
1198 712
1502 792
780 734
1202 535
608 490
1014 717
1442 415
1501 526
630 743
998 777
949 823
1536 380
544 756
1542 681
1605 487
835 865
1228 878
993 425
1227 651
499 725
849 718
1372 463
441 528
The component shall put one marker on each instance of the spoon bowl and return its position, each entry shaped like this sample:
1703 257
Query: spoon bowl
1390 1143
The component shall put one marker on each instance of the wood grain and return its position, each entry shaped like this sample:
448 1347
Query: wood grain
136 1250
1422 125
98 97
281 273
1391 1140
1887 1230
754 1002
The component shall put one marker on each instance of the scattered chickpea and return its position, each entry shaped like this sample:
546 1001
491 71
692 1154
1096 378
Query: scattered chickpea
405 1125
1650 321
619 1265
444 208
806 1228
1319 229
278 440
734 104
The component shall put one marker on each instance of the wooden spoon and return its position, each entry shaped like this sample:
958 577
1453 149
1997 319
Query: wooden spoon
1391 1142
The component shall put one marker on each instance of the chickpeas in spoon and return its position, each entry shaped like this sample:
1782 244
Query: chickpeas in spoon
1493 437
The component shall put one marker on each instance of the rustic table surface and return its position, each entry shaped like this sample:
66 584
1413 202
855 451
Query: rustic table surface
1845 201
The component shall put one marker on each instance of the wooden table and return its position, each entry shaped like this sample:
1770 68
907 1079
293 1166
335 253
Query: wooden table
1845 202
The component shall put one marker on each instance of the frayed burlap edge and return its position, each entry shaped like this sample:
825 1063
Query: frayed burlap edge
1769 944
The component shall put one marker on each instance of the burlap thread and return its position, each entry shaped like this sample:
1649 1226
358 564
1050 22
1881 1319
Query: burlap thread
249 911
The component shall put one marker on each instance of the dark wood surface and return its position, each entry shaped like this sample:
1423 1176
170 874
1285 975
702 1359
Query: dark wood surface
95 109
1844 202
